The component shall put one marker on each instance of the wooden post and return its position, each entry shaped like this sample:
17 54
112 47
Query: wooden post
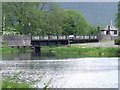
83 38
89 37
57 37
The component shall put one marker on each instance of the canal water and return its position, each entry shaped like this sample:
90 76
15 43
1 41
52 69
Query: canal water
62 73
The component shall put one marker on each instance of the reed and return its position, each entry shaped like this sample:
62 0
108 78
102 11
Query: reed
76 52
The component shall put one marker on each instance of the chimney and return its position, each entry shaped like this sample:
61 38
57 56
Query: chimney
108 28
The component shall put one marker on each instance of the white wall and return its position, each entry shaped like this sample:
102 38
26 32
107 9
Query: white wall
111 33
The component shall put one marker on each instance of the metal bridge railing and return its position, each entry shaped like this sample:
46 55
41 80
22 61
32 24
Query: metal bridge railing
51 37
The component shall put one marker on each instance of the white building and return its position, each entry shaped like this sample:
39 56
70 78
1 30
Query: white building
110 30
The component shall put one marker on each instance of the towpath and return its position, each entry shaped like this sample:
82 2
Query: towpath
99 44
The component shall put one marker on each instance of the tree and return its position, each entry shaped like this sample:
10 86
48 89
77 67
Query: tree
117 21
42 17
74 23
54 19
18 14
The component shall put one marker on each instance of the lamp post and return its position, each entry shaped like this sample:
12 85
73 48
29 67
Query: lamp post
23 31
29 27
98 30
3 26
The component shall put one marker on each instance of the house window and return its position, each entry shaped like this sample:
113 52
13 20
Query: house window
115 32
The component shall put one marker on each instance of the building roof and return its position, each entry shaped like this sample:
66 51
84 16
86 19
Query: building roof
111 27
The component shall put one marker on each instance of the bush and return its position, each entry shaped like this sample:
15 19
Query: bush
117 42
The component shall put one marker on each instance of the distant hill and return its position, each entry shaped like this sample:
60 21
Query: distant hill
94 12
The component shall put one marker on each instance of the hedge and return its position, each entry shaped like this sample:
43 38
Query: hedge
117 42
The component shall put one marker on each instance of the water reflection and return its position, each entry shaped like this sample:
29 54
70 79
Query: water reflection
29 56
40 56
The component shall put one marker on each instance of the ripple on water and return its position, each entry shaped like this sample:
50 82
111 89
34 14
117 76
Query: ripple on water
66 73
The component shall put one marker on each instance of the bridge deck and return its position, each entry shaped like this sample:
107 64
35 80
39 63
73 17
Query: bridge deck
23 40
63 37
61 40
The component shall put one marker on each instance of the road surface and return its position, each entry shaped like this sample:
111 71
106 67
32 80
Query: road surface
99 44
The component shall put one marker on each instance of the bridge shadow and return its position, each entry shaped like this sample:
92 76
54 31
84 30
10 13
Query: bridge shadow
43 55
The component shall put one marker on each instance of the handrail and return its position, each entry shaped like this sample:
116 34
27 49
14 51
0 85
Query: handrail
60 37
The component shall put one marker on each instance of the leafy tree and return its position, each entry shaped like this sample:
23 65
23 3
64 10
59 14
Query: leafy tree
74 23
44 18
92 30
118 17
18 14
54 20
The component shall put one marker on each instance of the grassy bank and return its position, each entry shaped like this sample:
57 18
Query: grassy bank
10 84
76 52
8 50
70 51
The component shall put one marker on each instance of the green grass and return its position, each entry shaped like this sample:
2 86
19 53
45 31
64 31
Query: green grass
15 82
12 84
72 51
77 52
8 50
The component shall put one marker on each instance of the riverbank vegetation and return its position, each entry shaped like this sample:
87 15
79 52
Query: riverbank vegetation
69 51
8 50
117 42
16 82
77 52
12 84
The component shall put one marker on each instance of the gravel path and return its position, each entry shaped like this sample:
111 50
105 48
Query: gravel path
99 44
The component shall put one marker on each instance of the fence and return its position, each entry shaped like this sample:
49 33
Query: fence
51 37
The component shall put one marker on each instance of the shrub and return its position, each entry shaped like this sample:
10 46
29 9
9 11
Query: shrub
117 42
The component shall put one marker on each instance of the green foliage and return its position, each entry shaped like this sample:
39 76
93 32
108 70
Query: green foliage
117 21
117 42
77 52
10 84
19 14
118 52
44 18
8 50
74 23
92 30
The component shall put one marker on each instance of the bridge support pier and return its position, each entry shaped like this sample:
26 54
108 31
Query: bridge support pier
37 49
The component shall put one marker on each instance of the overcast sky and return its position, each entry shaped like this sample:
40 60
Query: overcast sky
87 0
60 0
